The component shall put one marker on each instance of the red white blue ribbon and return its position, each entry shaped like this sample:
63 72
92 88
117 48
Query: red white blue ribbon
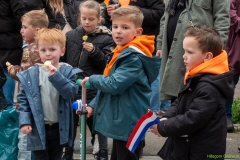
140 129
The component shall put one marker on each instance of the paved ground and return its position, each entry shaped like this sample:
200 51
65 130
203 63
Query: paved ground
154 143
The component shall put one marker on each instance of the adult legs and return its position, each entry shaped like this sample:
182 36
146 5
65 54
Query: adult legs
229 106
8 89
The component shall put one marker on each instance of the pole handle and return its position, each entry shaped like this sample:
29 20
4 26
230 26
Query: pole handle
87 84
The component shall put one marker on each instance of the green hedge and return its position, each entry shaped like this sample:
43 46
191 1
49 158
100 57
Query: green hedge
236 111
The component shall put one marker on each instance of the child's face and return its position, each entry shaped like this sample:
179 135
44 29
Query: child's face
124 30
50 52
27 31
89 19
193 55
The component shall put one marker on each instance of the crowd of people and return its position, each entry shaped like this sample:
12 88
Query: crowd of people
178 58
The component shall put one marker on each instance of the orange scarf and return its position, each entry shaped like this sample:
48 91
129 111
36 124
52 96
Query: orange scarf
122 2
217 65
144 43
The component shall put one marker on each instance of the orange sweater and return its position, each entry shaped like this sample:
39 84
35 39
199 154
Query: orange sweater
216 65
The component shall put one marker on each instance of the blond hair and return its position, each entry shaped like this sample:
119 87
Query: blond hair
56 5
91 4
37 18
53 35
131 12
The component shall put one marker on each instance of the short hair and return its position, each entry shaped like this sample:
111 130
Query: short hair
132 12
37 18
91 4
53 35
208 38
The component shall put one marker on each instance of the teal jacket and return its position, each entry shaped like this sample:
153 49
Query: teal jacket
124 95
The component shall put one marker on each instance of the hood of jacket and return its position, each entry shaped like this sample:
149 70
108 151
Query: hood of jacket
143 47
214 71
98 30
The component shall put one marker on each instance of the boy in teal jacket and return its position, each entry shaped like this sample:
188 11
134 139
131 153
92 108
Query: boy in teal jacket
124 90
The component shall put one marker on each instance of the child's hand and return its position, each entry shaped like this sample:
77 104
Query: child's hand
88 46
90 111
51 69
84 81
26 129
155 130
111 8
9 67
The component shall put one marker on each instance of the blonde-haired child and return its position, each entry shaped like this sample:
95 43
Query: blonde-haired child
45 112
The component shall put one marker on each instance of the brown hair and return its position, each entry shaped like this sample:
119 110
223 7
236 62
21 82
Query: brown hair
37 18
208 38
131 12
91 4
56 5
50 36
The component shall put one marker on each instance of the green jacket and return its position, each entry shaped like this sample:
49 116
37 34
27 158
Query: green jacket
124 95
203 12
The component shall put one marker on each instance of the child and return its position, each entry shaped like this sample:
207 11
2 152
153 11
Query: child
31 22
196 121
89 55
124 89
44 98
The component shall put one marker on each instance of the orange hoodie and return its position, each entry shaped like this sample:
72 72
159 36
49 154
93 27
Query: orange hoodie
143 42
216 65
122 2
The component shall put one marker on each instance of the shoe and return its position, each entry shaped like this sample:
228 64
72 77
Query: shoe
95 146
68 153
102 155
230 126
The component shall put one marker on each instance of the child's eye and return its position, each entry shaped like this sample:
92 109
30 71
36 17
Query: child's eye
43 50
125 27
52 49
115 27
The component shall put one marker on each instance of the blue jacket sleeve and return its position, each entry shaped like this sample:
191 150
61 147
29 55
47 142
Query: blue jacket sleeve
66 87
25 114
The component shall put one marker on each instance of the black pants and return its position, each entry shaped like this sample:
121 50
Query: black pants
120 151
53 148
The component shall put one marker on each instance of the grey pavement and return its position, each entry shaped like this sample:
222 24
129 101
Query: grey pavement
154 143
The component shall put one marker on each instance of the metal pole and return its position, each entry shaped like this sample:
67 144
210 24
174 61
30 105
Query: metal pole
83 127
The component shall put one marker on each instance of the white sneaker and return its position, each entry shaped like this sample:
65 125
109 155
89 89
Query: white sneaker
95 146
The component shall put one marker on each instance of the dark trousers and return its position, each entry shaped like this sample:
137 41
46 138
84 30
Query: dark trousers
120 151
229 102
53 148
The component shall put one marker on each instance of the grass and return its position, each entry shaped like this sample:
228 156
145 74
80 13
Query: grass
236 111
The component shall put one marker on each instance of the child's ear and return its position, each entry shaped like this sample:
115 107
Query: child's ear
139 31
63 51
208 56
37 28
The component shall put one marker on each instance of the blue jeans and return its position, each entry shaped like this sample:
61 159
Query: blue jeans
8 89
229 102
23 154
155 104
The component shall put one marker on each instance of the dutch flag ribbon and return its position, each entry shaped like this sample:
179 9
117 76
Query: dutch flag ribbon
140 129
